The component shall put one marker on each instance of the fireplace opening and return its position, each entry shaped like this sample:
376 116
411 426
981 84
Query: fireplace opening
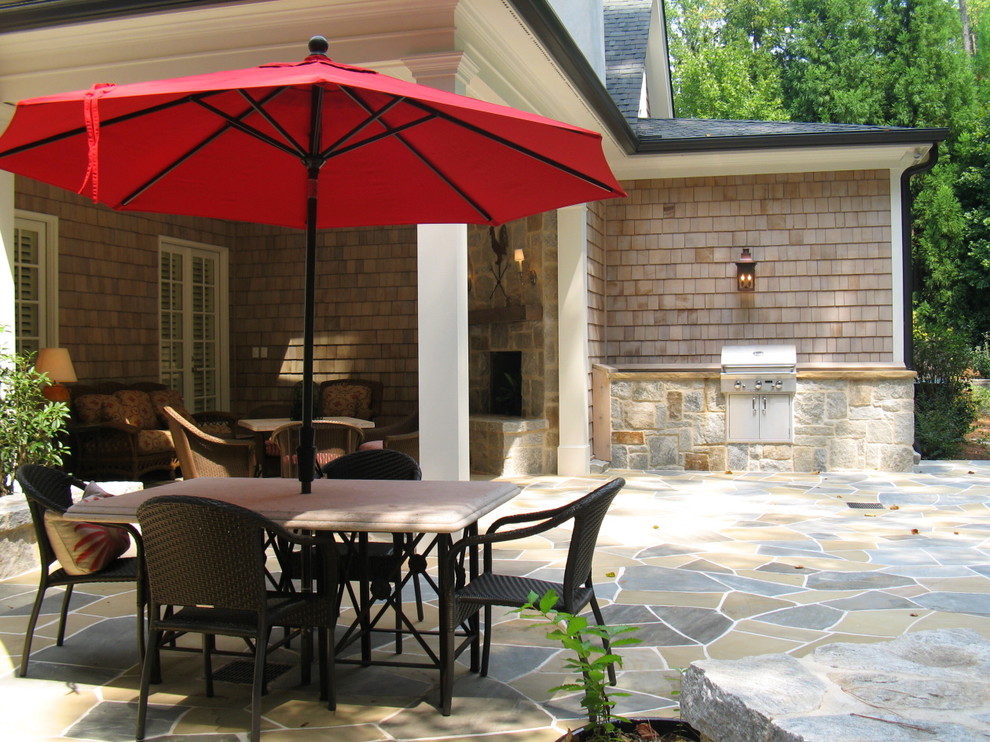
506 383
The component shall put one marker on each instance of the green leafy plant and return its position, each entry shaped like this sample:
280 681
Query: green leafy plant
591 661
30 425
943 401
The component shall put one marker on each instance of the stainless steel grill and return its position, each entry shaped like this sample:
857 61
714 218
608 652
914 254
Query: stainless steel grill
763 369
759 382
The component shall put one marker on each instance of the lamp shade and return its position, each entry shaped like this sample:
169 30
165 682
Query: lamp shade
57 363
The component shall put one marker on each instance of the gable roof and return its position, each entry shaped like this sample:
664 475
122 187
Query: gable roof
627 34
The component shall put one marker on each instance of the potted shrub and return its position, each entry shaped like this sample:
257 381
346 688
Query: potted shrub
591 662
31 427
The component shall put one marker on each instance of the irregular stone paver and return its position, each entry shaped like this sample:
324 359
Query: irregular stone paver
697 561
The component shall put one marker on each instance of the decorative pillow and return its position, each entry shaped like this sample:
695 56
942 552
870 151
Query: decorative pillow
154 441
347 400
84 548
137 409
92 409
168 398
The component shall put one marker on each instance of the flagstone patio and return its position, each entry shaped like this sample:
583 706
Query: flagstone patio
706 565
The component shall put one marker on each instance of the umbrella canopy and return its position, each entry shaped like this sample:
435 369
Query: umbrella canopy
314 144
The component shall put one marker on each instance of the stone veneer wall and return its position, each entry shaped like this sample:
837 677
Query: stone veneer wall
844 420
523 318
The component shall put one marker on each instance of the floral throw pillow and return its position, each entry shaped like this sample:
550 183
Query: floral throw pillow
84 548
346 400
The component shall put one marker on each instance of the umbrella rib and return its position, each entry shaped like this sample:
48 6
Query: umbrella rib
330 151
189 153
68 134
512 145
249 130
396 133
263 112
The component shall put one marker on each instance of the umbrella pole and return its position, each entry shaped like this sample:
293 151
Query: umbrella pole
306 455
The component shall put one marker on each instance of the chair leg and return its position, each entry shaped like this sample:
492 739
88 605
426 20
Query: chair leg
260 651
486 646
209 642
29 635
446 660
147 665
606 644
65 612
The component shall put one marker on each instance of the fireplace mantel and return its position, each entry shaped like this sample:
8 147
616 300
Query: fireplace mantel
506 315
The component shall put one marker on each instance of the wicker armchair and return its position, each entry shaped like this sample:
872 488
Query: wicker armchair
399 436
383 565
333 440
48 490
203 455
460 605
119 431
205 564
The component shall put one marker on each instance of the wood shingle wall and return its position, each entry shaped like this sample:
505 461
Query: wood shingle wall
822 241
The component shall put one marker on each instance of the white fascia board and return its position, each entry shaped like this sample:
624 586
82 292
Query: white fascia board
895 157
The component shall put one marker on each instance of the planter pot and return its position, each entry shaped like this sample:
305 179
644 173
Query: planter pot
667 730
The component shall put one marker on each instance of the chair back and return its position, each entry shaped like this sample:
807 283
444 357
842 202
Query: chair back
200 551
373 464
46 489
203 455
332 440
588 513
350 398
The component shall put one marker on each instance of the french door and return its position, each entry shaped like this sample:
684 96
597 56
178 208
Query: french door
35 281
193 321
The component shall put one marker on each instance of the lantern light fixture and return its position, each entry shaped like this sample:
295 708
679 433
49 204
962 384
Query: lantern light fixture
746 271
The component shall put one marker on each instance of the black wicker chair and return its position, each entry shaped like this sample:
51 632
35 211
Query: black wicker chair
384 560
460 602
205 563
49 490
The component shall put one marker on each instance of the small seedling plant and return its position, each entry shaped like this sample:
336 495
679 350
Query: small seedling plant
591 661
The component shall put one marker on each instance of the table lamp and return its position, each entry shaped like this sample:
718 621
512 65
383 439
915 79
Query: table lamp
56 363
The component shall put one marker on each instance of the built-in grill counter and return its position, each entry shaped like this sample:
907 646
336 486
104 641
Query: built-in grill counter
759 382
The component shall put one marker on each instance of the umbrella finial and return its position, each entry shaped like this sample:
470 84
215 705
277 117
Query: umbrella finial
319 45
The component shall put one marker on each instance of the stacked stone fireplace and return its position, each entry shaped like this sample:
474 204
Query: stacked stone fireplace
513 361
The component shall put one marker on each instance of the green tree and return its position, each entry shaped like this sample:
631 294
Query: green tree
718 69
830 69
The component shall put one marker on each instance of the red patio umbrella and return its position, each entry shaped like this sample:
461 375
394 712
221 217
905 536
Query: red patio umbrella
313 144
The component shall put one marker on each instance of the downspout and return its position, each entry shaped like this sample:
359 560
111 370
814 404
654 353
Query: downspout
907 204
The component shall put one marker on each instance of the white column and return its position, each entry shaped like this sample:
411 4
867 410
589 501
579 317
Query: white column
574 451
7 260
444 451
897 267
442 265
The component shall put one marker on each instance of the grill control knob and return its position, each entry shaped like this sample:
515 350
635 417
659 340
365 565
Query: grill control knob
758 384
778 384
739 384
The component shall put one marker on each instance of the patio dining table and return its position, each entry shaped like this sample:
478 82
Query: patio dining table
336 506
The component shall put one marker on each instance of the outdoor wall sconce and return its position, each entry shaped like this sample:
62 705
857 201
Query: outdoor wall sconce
519 256
746 272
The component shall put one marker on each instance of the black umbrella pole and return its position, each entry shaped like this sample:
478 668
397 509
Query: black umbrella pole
307 440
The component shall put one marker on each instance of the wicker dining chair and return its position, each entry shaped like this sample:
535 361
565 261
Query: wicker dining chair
461 604
205 563
204 455
384 559
48 490
332 439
